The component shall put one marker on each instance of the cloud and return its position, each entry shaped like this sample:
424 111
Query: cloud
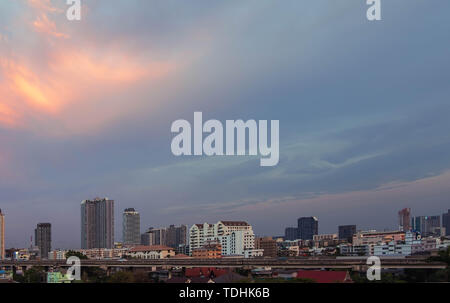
66 78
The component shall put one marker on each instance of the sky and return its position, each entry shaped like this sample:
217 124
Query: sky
86 109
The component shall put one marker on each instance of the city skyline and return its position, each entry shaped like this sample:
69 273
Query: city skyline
86 109
441 218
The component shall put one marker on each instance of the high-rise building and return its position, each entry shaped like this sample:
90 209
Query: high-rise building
154 236
176 236
446 222
291 233
404 219
346 232
2 235
43 239
426 225
172 236
97 223
307 228
131 227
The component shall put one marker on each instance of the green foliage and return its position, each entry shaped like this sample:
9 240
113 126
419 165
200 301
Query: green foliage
71 253
121 277
33 275
94 275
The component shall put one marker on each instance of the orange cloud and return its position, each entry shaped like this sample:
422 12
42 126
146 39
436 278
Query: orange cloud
43 25
71 78
8 117
65 80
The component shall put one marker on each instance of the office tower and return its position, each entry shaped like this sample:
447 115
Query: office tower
155 236
426 225
2 235
97 223
446 222
346 232
307 227
146 239
176 236
131 227
291 233
172 236
404 219
43 239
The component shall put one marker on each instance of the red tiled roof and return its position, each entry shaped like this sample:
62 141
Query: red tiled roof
150 248
323 276
235 223
201 225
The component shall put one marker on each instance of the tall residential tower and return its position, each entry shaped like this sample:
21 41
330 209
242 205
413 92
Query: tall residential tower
404 219
131 227
97 223
43 239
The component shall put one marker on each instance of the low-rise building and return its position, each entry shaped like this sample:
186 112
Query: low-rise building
212 250
268 245
104 253
57 254
354 250
376 237
151 252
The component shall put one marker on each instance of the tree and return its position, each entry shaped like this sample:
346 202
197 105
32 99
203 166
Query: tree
121 277
33 275
71 253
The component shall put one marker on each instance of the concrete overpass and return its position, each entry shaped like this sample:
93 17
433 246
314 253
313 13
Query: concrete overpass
357 264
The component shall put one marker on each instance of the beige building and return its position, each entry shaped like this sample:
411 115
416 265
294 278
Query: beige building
151 252
377 237
104 253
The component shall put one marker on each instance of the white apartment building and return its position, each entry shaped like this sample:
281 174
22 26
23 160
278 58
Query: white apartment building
236 237
412 245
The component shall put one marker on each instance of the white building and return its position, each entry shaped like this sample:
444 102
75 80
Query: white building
236 237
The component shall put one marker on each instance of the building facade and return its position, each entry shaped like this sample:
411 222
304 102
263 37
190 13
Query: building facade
346 232
173 236
307 228
404 219
151 252
268 245
427 225
97 223
176 236
236 237
291 233
212 250
376 237
131 227
43 239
